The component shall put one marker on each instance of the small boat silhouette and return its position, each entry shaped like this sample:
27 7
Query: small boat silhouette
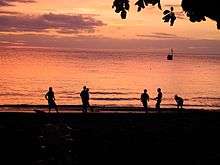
170 55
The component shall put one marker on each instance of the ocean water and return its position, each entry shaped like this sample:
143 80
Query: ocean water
115 77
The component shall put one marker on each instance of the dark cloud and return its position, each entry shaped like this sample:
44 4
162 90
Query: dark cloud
11 2
165 34
2 12
61 23
158 35
99 42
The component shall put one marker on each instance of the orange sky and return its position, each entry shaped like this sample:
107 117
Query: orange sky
146 24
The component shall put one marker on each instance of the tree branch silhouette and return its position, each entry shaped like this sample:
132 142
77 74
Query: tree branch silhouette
196 10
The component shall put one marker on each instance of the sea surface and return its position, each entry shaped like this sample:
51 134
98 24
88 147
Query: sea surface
115 77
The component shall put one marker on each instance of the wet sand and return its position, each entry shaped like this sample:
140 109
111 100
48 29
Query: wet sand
109 109
171 137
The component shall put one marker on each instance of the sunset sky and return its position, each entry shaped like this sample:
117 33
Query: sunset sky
94 24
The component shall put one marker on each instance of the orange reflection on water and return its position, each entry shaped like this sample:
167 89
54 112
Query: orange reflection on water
114 77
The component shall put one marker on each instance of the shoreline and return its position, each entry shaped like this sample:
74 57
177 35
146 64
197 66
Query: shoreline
97 108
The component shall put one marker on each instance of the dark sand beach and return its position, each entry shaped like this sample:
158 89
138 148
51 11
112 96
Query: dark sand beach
171 137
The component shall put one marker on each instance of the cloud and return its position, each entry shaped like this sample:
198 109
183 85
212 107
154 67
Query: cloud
100 42
10 2
61 23
158 36
3 12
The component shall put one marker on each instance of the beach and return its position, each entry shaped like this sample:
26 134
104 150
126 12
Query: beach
110 137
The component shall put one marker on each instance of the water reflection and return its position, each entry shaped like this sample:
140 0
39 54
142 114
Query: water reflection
114 77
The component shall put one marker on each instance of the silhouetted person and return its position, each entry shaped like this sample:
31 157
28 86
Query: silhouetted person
159 99
179 101
87 99
83 98
144 100
51 100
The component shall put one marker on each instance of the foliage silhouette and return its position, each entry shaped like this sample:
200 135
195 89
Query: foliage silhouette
142 3
121 6
196 10
169 16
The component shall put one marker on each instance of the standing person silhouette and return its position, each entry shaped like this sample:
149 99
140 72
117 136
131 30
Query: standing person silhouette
87 99
179 101
144 100
84 97
158 99
49 96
